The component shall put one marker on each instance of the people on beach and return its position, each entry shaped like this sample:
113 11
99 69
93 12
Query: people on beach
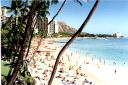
69 71
78 71
115 71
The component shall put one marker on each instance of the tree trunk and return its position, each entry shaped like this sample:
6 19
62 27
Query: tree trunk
18 39
71 40
29 44
26 37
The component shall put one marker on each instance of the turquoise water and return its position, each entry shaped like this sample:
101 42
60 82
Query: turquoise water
109 49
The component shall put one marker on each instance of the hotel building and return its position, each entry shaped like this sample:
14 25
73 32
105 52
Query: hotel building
41 23
53 27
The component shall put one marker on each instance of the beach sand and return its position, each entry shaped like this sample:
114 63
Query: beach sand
71 68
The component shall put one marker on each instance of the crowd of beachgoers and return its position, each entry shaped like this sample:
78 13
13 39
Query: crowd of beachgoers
71 70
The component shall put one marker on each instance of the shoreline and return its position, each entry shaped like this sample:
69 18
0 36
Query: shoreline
114 74
91 69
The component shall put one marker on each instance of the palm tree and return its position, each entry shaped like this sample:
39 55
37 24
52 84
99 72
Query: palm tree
71 40
6 39
26 36
13 33
15 8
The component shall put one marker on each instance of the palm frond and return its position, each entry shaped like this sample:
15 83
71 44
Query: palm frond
6 24
54 1
79 2
6 7
21 5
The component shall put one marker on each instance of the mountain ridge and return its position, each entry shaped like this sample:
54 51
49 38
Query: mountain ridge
63 27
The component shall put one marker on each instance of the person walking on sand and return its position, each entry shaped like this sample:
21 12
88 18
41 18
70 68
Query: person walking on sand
78 70
115 71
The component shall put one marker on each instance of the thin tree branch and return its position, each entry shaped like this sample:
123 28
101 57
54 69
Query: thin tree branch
71 40
79 2
57 12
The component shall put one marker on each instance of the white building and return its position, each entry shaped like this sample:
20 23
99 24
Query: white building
52 27
117 34
56 27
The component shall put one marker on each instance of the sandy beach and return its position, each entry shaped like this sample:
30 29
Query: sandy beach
71 70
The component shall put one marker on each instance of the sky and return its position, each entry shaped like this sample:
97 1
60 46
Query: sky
110 16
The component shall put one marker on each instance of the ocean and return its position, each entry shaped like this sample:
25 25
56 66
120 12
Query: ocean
112 50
